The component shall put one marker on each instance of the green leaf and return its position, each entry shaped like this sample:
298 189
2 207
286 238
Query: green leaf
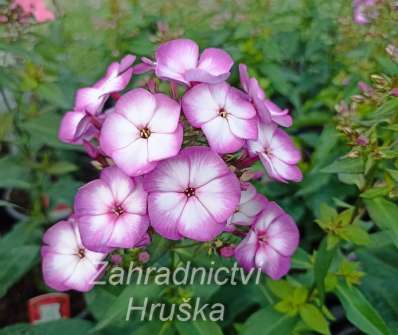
345 165
269 322
58 327
281 288
323 260
301 260
355 234
360 312
59 168
314 319
375 192
13 174
198 327
384 213
393 173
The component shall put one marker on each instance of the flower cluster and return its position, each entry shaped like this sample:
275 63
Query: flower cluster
178 164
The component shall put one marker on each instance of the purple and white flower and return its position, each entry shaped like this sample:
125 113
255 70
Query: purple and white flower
191 195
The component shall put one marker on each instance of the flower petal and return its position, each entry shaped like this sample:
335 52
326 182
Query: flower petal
215 61
271 262
204 166
282 147
171 175
93 198
197 223
199 105
120 184
283 235
236 105
220 137
128 230
164 210
116 133
267 216
220 196
166 116
133 159
138 106
175 57
161 146
62 238
95 231
68 127
246 129
89 99
246 251
136 201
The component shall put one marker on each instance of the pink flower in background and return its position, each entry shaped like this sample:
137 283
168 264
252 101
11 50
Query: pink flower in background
277 153
144 257
191 195
364 11
111 212
270 243
224 115
179 60
266 109
66 263
143 130
37 8
118 75
250 205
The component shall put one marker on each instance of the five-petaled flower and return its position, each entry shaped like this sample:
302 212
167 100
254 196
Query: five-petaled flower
143 129
224 115
277 153
179 60
111 212
270 243
66 262
191 195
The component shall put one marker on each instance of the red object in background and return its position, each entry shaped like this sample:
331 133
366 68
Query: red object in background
48 307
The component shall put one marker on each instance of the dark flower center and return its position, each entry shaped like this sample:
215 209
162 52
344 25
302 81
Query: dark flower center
189 192
81 253
118 210
145 132
263 238
223 113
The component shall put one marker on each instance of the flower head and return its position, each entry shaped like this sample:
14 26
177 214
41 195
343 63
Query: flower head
37 8
66 263
223 113
191 195
111 212
143 130
179 60
277 153
266 109
364 11
250 205
270 243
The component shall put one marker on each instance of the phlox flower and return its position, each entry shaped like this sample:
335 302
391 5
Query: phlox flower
111 212
191 195
277 153
270 243
363 11
224 115
179 60
85 119
143 129
250 205
66 263
37 8
266 109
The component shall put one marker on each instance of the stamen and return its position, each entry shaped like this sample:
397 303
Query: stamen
81 253
118 210
189 192
145 132
223 113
